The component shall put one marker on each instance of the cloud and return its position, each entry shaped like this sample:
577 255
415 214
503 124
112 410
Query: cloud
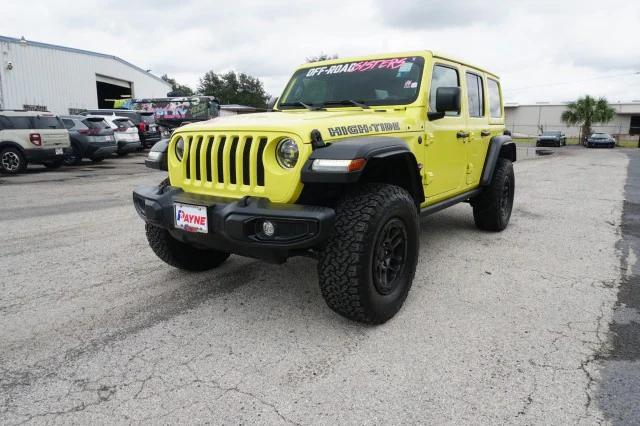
528 42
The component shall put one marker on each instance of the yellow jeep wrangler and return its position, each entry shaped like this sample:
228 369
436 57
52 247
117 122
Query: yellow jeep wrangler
353 152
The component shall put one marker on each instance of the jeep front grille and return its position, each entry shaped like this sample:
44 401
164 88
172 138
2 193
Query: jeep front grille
229 162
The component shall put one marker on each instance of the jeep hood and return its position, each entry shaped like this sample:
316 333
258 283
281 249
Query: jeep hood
331 124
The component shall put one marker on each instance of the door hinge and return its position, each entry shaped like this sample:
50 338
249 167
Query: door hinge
469 168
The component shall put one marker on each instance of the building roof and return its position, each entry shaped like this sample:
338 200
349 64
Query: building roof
80 51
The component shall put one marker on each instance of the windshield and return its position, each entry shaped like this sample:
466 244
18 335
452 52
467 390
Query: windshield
96 123
123 122
148 118
48 122
394 81
550 133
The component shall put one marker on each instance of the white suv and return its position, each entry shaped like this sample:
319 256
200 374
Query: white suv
31 137
125 132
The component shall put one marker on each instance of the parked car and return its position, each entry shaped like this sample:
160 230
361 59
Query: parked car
551 139
148 130
91 137
125 132
31 137
600 140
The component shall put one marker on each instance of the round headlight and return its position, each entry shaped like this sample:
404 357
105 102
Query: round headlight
179 148
287 153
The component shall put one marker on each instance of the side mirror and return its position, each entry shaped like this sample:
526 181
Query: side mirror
158 157
272 103
447 100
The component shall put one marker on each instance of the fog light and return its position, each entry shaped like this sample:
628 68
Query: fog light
268 228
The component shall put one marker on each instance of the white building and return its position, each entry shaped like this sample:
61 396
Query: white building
63 80
530 120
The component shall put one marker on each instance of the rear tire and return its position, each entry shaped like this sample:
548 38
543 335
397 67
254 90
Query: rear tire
492 208
97 160
123 154
181 255
367 267
12 161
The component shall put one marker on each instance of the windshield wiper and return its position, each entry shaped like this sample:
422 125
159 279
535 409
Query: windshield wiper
360 104
302 104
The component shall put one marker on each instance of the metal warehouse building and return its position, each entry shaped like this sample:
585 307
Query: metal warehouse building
45 77
531 120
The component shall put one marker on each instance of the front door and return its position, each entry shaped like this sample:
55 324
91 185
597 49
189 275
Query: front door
445 141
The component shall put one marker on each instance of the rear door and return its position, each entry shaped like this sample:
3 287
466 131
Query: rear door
477 126
445 151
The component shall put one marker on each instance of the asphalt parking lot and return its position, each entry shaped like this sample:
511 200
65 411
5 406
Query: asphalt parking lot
538 324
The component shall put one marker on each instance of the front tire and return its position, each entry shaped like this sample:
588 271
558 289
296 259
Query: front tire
492 208
181 255
367 267
74 158
12 161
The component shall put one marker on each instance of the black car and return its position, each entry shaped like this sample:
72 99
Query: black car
600 140
551 139
148 130
91 138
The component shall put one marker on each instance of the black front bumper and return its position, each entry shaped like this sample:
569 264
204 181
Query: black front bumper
235 226
548 142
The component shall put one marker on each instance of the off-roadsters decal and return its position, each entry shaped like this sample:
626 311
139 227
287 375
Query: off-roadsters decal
401 64
359 129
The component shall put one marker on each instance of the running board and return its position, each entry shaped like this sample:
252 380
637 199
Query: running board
450 202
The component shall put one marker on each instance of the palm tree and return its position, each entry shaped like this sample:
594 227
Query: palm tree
586 111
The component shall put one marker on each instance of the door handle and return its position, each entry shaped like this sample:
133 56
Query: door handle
485 133
461 134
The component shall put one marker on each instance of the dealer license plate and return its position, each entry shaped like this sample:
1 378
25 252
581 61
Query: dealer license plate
191 218
59 151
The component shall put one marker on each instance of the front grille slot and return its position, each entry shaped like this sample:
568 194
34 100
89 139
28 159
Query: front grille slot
233 162
220 159
246 161
260 162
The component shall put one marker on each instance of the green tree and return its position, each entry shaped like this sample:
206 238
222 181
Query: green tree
177 89
321 57
232 88
586 111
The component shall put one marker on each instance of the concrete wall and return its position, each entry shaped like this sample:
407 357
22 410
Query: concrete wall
526 120
62 78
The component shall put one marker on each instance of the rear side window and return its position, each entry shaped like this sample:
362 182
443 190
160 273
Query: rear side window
5 123
20 123
495 101
48 122
95 123
443 76
475 95
68 124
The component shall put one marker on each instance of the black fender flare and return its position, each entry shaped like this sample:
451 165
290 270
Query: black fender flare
501 146
4 144
378 151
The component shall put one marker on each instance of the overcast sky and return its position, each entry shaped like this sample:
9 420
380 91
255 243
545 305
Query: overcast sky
543 50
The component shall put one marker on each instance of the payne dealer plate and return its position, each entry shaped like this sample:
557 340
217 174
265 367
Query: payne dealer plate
191 218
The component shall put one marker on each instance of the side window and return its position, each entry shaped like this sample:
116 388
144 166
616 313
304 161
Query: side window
68 124
443 76
5 123
475 95
21 123
495 101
